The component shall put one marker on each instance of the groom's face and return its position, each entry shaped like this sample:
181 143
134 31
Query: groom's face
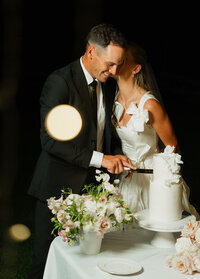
106 61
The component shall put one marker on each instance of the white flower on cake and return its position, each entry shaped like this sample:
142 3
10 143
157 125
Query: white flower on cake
170 165
169 149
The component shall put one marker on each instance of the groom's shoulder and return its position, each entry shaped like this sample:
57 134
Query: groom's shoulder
66 71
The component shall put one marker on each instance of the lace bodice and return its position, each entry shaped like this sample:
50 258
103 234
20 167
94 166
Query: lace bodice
138 137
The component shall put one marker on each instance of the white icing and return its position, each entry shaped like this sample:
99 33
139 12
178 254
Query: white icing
165 195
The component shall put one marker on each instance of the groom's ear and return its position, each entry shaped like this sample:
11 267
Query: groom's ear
91 51
137 69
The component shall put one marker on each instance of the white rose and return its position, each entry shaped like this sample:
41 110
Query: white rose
182 244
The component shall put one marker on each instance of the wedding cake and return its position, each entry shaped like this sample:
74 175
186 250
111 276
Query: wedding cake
165 193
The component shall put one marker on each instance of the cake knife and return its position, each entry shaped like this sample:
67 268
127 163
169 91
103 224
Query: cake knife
150 171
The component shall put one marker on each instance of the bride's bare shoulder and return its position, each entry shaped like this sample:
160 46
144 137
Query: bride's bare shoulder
152 105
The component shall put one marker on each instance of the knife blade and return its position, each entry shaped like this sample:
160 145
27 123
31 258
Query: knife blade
150 171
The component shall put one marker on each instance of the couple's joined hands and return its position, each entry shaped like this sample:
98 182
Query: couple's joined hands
116 164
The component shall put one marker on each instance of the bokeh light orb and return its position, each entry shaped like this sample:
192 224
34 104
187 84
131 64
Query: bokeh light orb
63 122
19 232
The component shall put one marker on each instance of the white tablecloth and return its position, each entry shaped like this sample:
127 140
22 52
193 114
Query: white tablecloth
66 262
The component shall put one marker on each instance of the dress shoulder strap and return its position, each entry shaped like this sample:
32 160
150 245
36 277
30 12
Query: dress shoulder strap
145 97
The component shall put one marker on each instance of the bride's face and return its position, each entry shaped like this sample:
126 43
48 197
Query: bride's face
125 71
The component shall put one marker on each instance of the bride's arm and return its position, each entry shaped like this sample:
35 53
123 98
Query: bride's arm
161 123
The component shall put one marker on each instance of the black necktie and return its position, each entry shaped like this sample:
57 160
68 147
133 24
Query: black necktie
93 86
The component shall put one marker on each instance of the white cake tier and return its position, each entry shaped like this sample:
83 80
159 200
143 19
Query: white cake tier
165 203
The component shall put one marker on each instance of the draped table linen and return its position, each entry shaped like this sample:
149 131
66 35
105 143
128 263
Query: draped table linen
68 263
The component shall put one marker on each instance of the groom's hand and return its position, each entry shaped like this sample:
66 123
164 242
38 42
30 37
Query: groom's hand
115 164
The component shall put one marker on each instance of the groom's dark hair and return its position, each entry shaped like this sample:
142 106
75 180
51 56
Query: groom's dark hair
104 34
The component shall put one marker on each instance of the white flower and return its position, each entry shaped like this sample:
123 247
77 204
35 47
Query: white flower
109 187
182 244
101 208
105 177
197 235
172 179
61 215
105 225
90 207
190 229
73 197
55 205
119 214
110 208
116 181
169 149
102 176
184 263
187 259
103 199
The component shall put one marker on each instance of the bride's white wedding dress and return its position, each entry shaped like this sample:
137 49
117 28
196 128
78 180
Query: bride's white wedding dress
139 143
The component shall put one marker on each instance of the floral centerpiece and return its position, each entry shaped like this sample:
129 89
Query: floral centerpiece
98 209
187 259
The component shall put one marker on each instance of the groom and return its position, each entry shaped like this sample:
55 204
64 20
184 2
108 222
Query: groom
72 163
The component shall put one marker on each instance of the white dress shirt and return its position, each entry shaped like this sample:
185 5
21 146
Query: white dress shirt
97 156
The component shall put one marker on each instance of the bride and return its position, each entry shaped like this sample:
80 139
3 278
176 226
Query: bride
141 122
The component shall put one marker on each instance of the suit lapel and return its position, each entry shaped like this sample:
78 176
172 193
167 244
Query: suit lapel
80 81
81 86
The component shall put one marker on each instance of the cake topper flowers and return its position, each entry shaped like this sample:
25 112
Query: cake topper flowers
98 209
172 163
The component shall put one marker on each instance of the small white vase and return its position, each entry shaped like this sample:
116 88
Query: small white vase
90 244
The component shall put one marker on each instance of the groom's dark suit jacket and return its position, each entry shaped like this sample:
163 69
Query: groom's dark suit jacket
66 164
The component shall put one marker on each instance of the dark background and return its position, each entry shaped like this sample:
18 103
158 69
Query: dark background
38 37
